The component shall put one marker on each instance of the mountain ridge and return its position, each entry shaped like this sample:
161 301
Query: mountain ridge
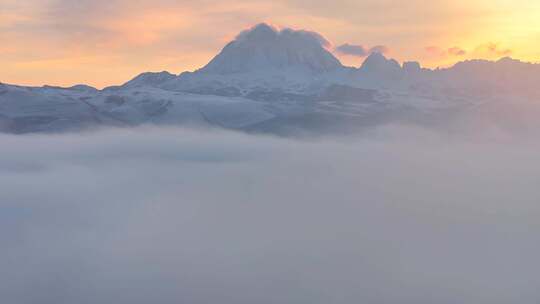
268 59
280 81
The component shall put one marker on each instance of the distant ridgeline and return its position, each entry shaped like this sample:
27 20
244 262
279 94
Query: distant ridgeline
281 81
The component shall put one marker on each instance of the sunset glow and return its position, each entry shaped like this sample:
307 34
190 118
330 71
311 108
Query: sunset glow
269 151
64 42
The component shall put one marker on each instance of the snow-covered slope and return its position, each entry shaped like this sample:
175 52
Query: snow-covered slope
262 60
25 109
265 48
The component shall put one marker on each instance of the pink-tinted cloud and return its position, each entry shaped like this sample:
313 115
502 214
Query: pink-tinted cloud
383 49
360 50
457 51
440 52
351 49
434 50
493 50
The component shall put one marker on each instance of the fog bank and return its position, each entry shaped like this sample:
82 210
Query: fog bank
154 215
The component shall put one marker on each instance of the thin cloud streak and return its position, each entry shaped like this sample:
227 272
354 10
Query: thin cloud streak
360 50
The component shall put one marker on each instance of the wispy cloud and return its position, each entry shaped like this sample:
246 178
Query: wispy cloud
457 51
360 50
441 52
492 49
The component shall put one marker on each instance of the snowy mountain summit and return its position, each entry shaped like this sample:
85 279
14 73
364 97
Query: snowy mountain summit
262 59
265 48
377 63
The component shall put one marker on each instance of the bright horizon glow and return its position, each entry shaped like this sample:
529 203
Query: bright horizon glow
102 43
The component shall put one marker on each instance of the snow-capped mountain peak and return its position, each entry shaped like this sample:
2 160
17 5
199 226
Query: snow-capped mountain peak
377 63
277 81
264 47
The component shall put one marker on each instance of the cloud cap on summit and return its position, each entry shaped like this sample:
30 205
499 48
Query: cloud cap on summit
264 46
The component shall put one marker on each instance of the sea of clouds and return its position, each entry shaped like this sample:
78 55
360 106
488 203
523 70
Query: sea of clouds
168 215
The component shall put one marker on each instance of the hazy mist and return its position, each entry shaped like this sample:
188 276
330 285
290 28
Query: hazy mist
153 215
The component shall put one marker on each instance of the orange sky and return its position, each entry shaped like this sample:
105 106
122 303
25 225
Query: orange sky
107 42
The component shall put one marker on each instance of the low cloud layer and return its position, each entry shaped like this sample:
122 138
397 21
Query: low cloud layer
176 216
